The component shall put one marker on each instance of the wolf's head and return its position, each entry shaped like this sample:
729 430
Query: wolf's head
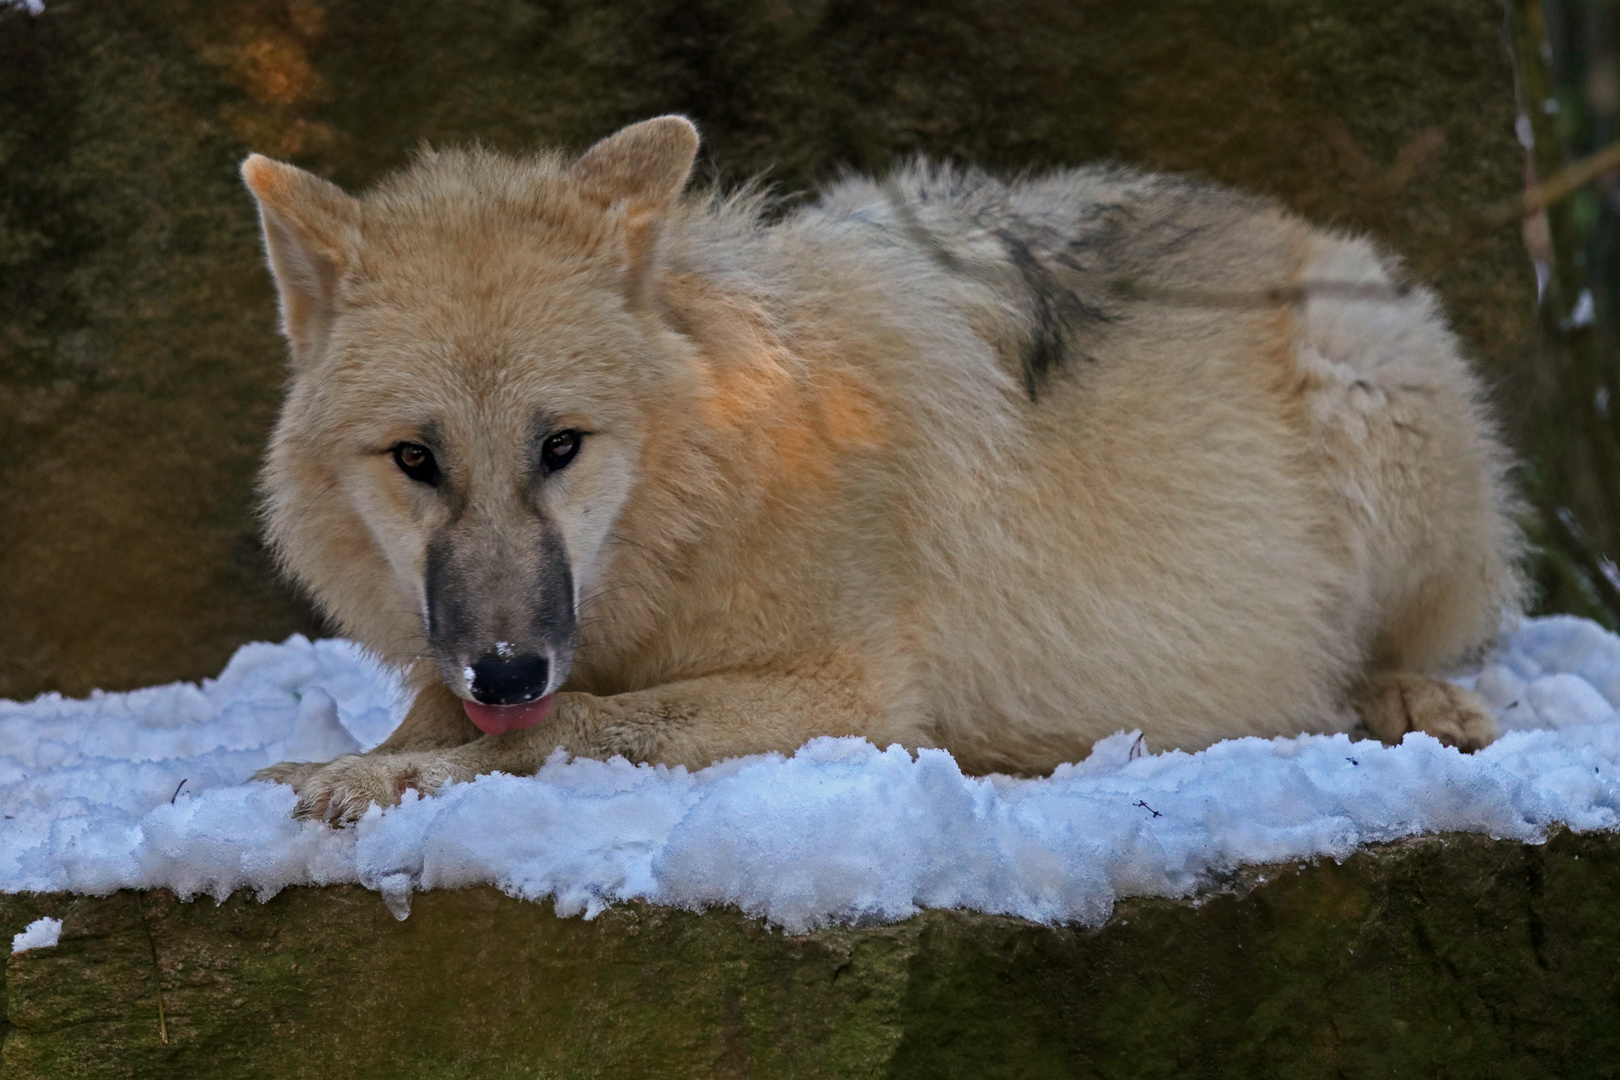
474 348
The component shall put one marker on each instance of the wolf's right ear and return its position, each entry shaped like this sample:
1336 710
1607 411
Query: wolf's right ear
642 170
310 228
645 165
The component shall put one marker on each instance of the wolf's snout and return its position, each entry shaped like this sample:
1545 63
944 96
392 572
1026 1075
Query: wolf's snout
509 680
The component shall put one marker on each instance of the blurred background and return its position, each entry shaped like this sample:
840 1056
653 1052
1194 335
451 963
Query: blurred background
140 370
1567 56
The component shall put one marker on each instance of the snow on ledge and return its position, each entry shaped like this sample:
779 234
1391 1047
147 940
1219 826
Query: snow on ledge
146 790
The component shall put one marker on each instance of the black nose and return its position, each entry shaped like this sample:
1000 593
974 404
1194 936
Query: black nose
508 680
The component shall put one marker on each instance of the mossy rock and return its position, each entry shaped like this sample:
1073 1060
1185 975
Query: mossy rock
1454 956
139 366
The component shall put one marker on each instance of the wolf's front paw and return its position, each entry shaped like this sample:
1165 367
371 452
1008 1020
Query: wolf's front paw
1394 703
342 790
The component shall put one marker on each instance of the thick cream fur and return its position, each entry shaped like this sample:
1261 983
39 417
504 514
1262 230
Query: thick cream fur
823 493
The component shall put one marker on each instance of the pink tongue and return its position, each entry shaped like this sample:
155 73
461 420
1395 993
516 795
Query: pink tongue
495 719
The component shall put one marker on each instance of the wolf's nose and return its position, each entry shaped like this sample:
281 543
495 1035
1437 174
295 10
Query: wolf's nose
508 680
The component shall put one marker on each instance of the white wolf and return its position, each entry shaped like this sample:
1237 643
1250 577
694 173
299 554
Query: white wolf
944 461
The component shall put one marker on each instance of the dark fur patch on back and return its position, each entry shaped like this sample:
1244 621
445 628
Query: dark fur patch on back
1056 313
1062 266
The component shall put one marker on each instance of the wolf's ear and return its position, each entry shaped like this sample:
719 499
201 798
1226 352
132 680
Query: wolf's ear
645 164
642 169
310 227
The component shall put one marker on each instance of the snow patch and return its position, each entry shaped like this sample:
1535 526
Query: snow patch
148 789
39 934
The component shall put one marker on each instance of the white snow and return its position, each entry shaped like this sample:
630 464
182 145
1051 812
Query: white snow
146 790
1583 314
40 934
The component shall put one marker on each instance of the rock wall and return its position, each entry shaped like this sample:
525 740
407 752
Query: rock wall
139 367
1447 957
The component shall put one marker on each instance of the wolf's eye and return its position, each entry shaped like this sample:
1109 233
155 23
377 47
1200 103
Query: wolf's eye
560 448
416 461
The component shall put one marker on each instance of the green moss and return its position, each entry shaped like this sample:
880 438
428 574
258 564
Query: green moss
1456 956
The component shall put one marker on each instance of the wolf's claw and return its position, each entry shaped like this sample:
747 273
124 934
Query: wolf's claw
340 791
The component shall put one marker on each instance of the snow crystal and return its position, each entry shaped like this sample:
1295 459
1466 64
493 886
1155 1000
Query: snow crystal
148 789
39 934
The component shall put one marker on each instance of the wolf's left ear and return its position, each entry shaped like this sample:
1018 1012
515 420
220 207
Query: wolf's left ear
643 169
310 231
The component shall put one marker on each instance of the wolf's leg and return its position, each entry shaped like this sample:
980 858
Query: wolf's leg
700 721
1392 703
690 723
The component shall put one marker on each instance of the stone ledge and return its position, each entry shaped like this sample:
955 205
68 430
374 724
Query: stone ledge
1447 956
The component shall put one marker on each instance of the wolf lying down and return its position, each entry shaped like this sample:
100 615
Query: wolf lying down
942 461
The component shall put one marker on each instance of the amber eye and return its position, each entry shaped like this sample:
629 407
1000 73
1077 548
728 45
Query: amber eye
416 461
560 448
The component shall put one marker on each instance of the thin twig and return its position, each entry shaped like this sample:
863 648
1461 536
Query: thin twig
1281 296
1550 192
1571 180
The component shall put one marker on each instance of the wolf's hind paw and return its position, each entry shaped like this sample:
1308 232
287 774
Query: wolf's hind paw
1394 703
